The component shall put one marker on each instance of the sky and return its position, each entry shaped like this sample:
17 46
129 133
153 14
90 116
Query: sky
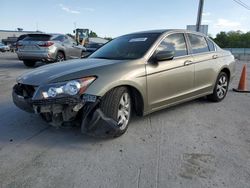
112 18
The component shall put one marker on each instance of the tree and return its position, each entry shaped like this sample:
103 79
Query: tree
92 34
233 39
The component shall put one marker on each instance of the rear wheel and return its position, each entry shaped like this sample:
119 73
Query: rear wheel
116 104
83 54
220 88
60 57
29 63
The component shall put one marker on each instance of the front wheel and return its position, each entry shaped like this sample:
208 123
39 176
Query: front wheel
220 88
116 104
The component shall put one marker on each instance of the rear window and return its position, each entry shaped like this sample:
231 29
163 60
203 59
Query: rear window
37 37
198 44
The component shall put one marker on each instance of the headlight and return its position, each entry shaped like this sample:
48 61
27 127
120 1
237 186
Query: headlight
71 88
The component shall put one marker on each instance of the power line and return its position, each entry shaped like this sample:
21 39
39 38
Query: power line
242 4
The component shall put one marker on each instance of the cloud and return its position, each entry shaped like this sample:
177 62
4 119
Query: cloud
67 9
206 21
224 24
206 14
89 9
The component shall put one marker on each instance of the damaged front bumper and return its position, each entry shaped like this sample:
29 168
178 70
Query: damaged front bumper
81 110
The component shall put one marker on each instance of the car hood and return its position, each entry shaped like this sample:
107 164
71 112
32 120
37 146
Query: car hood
63 71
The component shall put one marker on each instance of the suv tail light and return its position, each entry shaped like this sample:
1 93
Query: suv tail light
45 44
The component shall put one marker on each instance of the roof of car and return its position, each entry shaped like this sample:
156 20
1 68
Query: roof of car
160 31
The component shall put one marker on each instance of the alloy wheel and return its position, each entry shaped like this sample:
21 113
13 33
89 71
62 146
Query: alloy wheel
60 57
222 87
124 110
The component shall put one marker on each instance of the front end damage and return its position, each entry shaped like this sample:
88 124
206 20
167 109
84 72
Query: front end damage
80 110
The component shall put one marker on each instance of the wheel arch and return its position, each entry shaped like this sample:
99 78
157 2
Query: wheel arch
227 71
137 94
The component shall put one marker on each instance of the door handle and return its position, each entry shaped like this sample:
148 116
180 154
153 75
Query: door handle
215 56
188 62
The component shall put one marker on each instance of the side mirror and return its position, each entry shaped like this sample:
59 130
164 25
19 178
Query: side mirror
164 55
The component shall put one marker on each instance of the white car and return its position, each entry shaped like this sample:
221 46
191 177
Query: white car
4 48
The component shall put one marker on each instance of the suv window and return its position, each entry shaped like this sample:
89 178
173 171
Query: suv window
70 40
174 42
198 43
60 38
210 45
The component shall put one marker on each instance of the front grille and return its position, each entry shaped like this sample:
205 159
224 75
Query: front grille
64 100
27 91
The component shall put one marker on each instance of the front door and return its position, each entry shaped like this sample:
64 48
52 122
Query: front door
170 81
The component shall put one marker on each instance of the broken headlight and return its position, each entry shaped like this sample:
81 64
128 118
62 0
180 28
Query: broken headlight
70 88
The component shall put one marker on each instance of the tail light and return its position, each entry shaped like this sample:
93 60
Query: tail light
45 44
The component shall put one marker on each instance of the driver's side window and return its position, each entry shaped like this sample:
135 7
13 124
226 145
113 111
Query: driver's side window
174 42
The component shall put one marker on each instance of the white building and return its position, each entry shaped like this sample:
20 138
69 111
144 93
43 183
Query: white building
4 34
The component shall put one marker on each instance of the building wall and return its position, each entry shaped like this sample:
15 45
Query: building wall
4 34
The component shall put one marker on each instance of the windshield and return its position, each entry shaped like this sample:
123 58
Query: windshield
131 46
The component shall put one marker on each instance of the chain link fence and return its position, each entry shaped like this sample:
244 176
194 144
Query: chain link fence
240 53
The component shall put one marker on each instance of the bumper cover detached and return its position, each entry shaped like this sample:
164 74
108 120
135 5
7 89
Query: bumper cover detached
22 103
96 123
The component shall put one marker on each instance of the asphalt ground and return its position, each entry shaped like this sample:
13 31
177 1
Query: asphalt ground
197 144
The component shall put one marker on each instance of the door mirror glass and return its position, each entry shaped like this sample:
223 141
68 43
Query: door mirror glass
164 55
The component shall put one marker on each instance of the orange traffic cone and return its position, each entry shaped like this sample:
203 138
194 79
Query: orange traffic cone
243 81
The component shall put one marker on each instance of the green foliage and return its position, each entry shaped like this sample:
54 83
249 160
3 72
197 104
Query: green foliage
92 34
233 39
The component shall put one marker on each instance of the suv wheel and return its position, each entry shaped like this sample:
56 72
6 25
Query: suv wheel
117 105
60 57
220 88
29 63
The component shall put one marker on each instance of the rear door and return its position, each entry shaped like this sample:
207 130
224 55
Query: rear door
73 50
173 80
205 59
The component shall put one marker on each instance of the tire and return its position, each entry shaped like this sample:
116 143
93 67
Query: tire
220 88
60 56
83 55
29 63
112 106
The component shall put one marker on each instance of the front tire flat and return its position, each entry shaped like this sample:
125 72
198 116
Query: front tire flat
116 104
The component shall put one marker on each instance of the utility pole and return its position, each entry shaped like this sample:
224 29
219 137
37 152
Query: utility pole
199 16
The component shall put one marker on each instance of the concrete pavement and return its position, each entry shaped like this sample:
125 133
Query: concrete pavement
193 145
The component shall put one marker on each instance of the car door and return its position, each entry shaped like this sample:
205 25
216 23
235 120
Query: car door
205 58
76 49
170 81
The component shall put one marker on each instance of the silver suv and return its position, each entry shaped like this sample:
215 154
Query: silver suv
48 48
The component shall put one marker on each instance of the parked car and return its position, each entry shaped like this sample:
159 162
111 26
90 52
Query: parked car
93 44
4 48
48 48
144 71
